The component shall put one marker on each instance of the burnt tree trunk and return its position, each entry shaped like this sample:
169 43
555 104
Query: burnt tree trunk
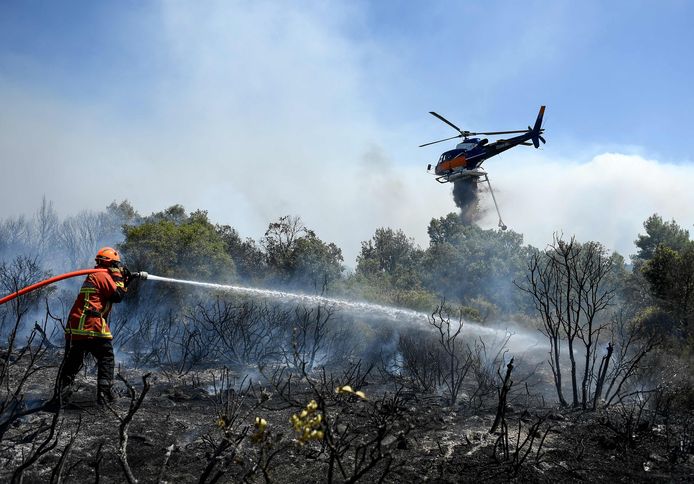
602 373
555 356
503 393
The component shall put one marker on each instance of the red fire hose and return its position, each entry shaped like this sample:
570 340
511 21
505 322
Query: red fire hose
33 287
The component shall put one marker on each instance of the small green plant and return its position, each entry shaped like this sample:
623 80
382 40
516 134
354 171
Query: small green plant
259 435
308 423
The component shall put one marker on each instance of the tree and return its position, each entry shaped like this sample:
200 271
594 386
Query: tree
78 238
392 256
658 232
15 234
444 229
115 217
388 272
297 256
21 272
279 243
465 262
318 264
568 284
81 236
45 227
670 274
173 244
248 257
175 214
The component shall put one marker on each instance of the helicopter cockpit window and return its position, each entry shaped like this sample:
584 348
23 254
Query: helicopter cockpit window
448 155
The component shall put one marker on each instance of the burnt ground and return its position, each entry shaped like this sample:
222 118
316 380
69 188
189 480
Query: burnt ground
395 435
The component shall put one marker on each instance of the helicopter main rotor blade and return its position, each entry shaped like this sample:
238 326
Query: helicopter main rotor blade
439 141
501 132
449 123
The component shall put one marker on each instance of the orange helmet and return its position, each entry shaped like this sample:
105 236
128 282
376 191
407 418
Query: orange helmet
107 256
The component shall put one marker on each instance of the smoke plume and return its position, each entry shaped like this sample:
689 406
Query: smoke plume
466 199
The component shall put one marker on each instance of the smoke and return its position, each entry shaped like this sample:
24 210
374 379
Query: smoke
203 125
465 194
606 197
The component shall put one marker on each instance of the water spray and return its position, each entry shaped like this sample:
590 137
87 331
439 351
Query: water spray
392 313
402 315
252 291
363 307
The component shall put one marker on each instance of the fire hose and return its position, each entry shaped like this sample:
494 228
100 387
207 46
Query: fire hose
67 275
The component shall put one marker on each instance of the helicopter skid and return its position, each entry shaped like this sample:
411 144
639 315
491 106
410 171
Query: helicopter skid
459 175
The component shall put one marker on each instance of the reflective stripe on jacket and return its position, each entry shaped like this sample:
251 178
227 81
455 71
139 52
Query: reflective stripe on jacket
88 316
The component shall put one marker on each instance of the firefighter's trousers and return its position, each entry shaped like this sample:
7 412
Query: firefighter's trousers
75 350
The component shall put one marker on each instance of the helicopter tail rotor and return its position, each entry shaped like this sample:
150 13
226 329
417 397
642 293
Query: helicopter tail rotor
537 130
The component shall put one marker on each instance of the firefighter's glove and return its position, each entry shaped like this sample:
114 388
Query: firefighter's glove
127 276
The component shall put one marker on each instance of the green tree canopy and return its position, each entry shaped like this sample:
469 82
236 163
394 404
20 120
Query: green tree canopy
392 257
122 213
659 232
464 263
295 255
317 264
173 244
445 229
670 274
248 257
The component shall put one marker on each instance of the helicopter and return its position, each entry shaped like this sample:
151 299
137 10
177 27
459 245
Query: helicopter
464 161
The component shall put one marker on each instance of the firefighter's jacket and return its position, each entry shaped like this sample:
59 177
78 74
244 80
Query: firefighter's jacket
88 316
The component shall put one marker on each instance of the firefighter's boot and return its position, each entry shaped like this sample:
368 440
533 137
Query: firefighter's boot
61 398
105 396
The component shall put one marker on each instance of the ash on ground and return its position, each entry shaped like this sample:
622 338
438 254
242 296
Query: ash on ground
291 424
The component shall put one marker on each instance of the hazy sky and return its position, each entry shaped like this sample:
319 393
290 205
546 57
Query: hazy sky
254 109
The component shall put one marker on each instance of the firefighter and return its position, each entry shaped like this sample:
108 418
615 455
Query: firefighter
87 329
